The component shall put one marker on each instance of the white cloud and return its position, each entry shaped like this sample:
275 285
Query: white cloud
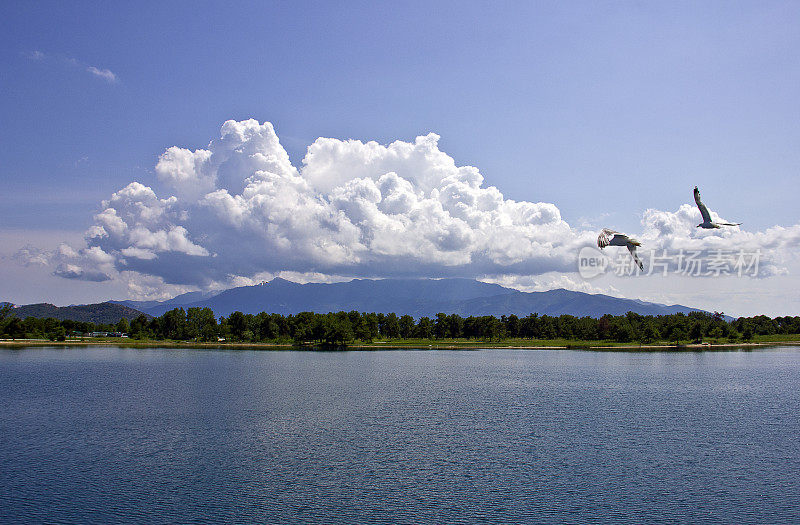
31 256
149 287
239 211
87 264
184 171
550 281
105 74
101 73
73 271
675 231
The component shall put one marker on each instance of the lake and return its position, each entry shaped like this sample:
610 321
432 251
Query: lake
112 435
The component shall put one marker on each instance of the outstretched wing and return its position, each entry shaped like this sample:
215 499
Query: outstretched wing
729 223
703 209
604 239
632 249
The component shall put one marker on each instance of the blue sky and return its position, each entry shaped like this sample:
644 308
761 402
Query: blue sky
605 109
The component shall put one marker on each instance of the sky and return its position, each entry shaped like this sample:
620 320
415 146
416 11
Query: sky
151 149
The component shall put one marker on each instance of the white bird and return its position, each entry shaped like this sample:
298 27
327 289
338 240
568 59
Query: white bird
613 238
707 222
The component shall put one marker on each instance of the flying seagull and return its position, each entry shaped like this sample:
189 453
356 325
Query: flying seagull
707 222
612 238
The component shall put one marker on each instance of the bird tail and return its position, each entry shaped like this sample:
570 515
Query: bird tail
634 242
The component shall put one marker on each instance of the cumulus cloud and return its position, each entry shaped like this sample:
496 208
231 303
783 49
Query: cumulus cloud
31 256
238 210
676 231
72 271
87 264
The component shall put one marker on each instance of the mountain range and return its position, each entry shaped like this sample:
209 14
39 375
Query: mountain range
417 297
107 312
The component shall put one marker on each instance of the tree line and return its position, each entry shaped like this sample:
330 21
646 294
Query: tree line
340 328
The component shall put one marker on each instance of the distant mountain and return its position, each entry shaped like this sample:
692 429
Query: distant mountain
417 297
91 313
157 308
558 302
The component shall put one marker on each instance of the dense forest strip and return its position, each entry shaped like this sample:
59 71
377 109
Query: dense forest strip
353 328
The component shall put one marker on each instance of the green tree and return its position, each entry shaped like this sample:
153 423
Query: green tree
455 326
424 328
696 332
172 325
122 326
201 324
547 328
268 327
625 333
139 327
15 328
370 322
649 332
678 334
303 327
440 330
57 333
512 325
391 326
406 326
337 330
716 332
238 324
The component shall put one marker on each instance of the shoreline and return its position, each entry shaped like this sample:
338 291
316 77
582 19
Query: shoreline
21 343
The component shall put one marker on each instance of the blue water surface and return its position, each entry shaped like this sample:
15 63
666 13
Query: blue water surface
112 435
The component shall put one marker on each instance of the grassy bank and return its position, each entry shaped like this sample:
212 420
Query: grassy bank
436 344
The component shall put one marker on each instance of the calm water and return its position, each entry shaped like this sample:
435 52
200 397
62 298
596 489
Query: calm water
109 435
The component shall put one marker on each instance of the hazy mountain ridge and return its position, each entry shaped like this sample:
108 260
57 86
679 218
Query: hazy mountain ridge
417 297
558 302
